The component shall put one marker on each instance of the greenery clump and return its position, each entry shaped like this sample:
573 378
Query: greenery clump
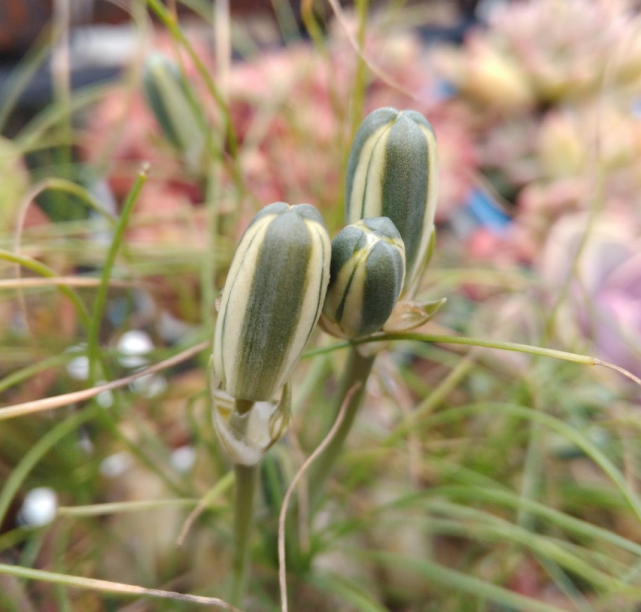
433 455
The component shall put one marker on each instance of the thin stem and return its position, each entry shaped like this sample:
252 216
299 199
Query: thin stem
93 346
246 479
207 501
347 403
49 403
24 72
341 18
125 507
43 270
282 517
30 460
464 340
357 371
105 586
361 68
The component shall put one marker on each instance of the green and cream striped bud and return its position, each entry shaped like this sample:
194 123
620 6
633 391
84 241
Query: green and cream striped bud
366 278
182 123
271 301
392 172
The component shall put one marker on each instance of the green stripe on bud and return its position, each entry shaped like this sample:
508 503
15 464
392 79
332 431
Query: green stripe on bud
366 278
392 172
272 300
182 123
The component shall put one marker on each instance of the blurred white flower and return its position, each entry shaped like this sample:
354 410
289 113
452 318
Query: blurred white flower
105 399
132 346
149 386
183 458
39 507
78 368
116 464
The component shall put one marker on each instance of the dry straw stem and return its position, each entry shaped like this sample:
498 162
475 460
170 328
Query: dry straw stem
80 396
205 502
124 507
618 369
43 270
342 20
111 587
55 184
282 569
70 281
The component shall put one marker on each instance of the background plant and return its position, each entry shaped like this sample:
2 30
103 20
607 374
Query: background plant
474 479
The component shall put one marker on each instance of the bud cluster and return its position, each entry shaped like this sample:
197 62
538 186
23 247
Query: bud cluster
281 278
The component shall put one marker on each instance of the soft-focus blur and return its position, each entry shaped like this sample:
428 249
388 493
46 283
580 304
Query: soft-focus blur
475 479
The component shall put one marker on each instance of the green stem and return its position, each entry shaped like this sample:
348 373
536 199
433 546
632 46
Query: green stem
463 340
246 479
93 336
357 371
36 453
43 270
360 79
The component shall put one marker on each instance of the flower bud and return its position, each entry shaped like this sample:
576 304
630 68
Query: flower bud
366 278
271 301
392 172
167 94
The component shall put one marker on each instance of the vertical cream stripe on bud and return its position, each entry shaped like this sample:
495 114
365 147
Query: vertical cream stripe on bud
182 123
366 278
272 300
392 172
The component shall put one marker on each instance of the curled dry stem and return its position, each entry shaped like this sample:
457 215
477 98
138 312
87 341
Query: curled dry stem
282 569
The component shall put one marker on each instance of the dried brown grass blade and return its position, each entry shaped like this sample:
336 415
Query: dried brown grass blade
111 587
71 281
342 20
58 401
282 569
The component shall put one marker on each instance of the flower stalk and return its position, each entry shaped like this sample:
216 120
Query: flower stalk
357 371
379 259
245 493
270 305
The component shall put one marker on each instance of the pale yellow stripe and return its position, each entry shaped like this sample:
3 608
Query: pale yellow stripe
431 199
335 296
235 306
361 174
352 314
318 268
376 173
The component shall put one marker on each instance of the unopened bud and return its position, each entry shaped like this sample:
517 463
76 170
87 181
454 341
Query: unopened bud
392 172
271 301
